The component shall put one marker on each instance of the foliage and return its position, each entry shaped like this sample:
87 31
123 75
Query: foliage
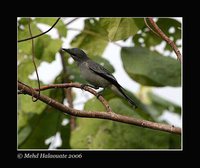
121 28
151 68
104 134
92 39
171 27
37 121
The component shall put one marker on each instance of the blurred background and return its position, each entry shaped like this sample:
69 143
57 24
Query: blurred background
161 95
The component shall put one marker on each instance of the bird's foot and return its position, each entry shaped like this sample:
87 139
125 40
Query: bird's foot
98 94
82 86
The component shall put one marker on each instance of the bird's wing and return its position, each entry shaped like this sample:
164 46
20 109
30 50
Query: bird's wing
101 71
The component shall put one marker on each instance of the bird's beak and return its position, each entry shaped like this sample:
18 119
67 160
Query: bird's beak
67 50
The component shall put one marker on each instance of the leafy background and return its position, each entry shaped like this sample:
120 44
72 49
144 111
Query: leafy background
39 125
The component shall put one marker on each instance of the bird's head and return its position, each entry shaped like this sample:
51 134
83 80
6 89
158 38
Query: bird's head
77 54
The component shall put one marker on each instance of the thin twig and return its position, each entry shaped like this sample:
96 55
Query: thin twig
41 33
33 56
71 21
167 39
102 115
145 21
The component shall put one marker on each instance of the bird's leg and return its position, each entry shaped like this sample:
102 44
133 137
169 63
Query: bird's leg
94 87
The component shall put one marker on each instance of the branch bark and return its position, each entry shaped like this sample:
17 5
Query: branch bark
164 37
77 85
95 114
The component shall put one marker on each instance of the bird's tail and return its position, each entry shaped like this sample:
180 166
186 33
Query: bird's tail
121 90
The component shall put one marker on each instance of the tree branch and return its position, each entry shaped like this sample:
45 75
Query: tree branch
41 33
77 85
164 37
94 114
145 21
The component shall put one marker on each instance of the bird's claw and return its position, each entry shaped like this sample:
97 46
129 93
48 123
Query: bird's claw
82 86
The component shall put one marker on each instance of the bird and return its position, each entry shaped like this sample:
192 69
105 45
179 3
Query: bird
95 74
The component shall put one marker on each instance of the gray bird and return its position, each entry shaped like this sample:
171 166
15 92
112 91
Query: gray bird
94 73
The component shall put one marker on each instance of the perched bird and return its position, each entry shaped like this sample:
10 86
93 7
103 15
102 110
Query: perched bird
94 73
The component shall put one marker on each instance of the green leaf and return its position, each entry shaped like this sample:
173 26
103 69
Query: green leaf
166 23
105 134
23 21
24 33
163 103
22 117
151 68
28 109
25 47
121 28
26 68
139 22
94 104
23 134
31 106
93 38
151 40
175 141
60 26
46 48
143 110
25 103
41 126
51 50
40 47
65 136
